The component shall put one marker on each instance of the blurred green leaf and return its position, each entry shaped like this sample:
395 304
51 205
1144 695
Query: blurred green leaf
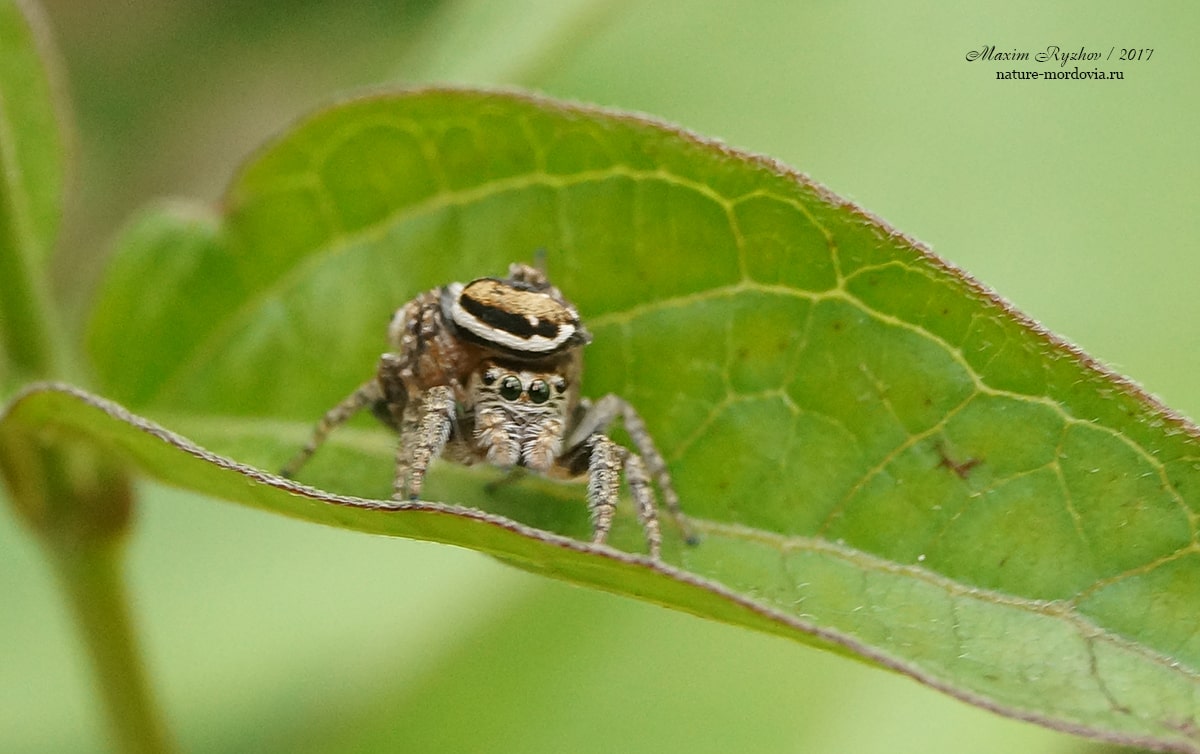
881 456
476 41
32 154
31 190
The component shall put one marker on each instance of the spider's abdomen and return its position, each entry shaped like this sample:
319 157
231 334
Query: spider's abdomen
514 317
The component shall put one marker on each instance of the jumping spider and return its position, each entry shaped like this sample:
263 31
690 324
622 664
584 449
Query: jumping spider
490 371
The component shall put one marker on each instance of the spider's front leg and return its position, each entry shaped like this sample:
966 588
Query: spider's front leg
597 417
422 439
605 462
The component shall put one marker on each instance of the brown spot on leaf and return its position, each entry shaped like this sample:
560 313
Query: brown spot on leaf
961 469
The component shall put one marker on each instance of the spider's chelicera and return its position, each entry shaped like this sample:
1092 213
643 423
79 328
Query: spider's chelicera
489 371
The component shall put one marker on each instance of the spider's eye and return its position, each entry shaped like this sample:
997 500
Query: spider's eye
559 384
491 375
539 391
510 387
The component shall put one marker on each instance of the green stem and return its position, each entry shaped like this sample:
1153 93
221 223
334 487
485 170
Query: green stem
92 580
30 335
79 504
26 333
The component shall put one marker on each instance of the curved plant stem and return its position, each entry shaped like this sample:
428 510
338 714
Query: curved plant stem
92 580
79 506
29 334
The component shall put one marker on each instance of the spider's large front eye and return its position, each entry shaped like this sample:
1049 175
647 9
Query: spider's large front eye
510 387
539 391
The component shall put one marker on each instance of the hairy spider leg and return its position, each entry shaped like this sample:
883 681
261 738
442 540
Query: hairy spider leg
433 432
364 395
643 498
597 418
605 462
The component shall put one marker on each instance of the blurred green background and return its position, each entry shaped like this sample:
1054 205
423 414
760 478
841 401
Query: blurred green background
1074 199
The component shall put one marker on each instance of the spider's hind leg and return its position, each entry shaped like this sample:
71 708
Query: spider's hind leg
367 394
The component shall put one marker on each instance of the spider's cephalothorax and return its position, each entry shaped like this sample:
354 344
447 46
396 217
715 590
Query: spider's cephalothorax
489 371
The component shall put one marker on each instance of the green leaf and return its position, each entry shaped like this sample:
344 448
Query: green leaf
880 455
31 188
